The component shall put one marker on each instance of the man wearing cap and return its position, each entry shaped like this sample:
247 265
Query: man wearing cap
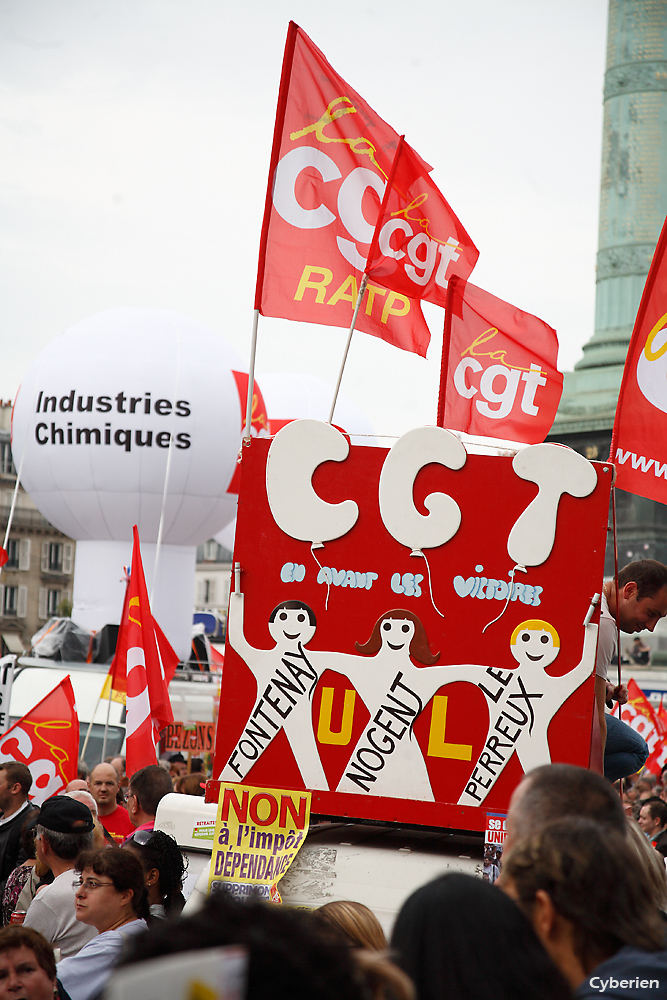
65 828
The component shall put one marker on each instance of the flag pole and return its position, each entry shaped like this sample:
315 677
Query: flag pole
14 496
251 379
444 361
167 473
372 253
90 724
362 289
19 471
106 724
111 675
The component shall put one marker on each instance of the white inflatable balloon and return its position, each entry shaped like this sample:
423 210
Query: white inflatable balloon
226 536
97 417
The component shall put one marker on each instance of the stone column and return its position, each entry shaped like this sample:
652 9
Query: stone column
633 203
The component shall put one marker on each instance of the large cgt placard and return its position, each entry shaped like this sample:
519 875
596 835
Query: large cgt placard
407 635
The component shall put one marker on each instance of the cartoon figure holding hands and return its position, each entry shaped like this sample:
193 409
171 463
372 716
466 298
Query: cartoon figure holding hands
286 679
523 702
387 759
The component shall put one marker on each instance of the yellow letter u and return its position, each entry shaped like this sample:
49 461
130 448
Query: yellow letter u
324 733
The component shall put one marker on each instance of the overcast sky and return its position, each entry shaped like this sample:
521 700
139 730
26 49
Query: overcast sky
136 134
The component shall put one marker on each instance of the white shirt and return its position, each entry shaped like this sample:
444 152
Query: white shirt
607 636
85 975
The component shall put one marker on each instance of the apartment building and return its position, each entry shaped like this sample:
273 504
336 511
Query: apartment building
36 580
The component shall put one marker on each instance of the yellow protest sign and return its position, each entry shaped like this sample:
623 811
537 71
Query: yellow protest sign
258 832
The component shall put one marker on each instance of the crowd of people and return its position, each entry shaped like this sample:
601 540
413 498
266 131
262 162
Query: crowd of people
579 909
96 835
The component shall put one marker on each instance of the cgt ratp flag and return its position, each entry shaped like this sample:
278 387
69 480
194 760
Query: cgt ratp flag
639 437
331 158
501 377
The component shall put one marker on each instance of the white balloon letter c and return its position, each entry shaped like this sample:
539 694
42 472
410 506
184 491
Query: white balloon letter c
401 518
295 453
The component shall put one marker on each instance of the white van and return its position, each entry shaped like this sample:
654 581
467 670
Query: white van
192 694
372 863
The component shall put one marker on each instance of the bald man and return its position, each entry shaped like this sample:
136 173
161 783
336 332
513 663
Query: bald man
103 784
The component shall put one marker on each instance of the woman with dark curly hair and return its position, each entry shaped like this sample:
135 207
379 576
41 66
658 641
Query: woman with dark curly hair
164 870
288 957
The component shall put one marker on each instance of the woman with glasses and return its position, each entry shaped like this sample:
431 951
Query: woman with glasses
164 870
110 896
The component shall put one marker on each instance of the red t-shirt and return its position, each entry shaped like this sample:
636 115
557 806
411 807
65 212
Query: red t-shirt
118 824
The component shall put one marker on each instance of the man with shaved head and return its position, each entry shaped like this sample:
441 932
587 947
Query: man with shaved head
554 791
103 783
573 867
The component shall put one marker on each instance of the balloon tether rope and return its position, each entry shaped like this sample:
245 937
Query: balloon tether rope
418 552
522 569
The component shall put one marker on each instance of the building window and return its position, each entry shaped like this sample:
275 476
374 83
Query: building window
211 550
205 592
13 601
57 557
52 602
18 551
10 601
13 554
6 463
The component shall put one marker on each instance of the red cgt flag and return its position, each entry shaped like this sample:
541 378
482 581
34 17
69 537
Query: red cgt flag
259 421
419 244
115 685
330 161
46 739
639 714
502 379
148 662
658 757
639 437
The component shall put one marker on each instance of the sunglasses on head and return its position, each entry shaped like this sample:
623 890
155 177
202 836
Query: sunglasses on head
142 837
